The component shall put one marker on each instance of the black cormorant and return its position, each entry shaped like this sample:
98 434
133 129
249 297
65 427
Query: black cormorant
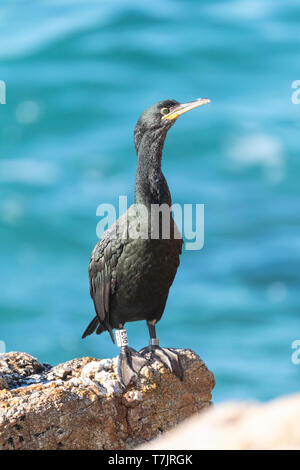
133 265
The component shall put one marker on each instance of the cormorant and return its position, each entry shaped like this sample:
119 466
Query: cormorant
133 265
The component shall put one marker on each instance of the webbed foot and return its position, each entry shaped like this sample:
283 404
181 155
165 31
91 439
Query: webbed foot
130 363
168 357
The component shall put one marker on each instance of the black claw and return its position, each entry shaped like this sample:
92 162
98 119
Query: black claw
130 363
168 357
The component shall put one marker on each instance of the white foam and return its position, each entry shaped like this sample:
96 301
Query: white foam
261 150
27 170
27 112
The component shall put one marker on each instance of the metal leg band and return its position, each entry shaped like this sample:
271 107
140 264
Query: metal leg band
154 342
121 338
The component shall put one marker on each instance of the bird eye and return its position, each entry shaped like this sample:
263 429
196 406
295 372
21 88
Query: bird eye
164 111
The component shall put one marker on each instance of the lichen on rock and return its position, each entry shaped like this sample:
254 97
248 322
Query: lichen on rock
81 404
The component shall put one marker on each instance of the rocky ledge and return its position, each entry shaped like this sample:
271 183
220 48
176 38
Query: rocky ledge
80 404
238 426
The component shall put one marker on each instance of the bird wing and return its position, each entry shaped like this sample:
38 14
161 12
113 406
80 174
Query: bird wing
102 275
102 278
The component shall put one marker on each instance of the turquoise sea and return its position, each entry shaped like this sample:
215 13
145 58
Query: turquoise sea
78 73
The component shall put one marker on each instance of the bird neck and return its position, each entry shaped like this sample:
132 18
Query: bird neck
151 186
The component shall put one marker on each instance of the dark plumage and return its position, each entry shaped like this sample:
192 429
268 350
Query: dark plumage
130 277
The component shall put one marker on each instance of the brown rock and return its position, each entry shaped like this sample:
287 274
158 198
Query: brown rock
3 383
238 426
81 405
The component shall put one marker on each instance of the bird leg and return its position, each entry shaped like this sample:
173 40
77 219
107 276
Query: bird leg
130 361
167 356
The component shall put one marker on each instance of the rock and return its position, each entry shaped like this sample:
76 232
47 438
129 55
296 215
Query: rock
18 369
3 383
238 426
81 405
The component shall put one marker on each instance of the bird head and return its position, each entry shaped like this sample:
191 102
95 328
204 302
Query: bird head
161 116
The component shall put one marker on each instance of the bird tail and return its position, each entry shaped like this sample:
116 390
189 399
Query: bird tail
91 328
94 325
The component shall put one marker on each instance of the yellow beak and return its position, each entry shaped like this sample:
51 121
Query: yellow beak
183 108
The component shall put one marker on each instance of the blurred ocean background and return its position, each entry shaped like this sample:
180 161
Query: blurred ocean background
78 74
